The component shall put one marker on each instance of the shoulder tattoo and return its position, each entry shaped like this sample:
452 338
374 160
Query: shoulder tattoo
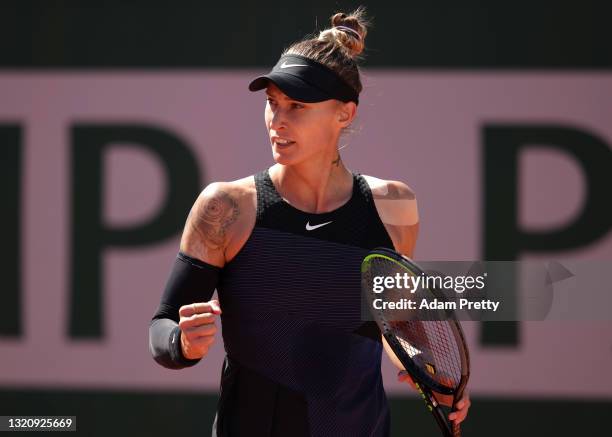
392 192
213 217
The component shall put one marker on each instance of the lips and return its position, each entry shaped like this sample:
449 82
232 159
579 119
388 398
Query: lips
279 141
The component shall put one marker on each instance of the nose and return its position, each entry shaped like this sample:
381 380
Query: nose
278 119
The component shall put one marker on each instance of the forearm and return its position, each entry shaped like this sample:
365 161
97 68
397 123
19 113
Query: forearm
190 281
392 357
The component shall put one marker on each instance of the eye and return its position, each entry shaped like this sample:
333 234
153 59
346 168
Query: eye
271 101
297 105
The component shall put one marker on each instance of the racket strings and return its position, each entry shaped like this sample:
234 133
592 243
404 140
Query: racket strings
430 344
432 347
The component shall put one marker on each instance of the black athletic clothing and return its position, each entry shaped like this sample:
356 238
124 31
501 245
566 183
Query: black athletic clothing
190 280
300 360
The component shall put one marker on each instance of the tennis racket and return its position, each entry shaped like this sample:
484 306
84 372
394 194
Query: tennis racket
433 352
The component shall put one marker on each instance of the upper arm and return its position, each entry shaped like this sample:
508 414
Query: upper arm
210 224
397 208
396 205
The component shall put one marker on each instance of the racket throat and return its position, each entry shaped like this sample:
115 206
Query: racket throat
426 395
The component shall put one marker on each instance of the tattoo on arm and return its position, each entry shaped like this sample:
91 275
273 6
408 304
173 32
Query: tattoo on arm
389 192
213 218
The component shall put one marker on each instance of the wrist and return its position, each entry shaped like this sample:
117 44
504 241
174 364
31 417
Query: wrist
176 348
186 350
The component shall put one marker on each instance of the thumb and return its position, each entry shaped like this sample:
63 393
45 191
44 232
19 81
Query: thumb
402 375
216 308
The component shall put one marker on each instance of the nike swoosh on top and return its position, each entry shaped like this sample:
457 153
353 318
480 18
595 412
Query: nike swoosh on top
312 228
285 65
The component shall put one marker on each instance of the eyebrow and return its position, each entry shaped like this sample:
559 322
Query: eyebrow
277 93
283 97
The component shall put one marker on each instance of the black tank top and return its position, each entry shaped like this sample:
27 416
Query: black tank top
300 359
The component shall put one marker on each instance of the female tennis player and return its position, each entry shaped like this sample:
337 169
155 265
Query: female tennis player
283 248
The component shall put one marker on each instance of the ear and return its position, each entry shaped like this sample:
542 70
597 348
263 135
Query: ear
346 113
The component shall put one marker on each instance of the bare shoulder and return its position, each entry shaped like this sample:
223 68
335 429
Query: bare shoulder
222 211
383 190
396 205
236 190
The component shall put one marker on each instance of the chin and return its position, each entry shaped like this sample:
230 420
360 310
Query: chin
279 158
284 157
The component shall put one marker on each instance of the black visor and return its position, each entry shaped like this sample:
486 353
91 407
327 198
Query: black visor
306 80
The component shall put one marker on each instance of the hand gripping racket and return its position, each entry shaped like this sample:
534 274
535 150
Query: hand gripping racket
433 352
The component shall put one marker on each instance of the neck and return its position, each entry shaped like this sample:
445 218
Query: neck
314 187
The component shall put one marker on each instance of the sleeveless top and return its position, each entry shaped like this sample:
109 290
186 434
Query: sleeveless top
300 359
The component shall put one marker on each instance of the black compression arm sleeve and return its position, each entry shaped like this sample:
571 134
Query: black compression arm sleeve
190 281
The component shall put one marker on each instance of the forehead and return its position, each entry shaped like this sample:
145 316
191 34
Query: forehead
274 91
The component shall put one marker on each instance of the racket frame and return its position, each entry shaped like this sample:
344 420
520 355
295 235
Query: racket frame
426 387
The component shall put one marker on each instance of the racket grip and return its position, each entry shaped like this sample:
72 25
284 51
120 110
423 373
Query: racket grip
456 429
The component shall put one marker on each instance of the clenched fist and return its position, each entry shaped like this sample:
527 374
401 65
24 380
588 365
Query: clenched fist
198 328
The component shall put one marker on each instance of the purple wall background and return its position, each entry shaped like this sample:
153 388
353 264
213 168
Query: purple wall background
423 128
